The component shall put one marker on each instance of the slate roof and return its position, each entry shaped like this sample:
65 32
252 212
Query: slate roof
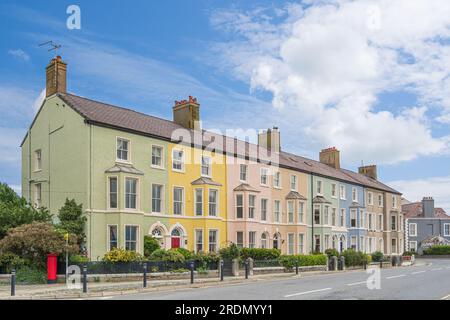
245 187
205 180
295 195
124 168
414 210
104 114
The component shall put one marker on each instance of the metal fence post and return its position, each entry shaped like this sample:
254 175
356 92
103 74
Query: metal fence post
192 271
145 275
13 282
381 264
221 270
296 267
84 279
246 268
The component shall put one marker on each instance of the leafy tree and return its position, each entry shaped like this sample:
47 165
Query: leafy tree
150 244
34 241
15 211
72 219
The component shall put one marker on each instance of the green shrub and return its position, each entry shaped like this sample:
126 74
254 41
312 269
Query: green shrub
303 260
171 255
122 255
150 244
9 261
377 256
28 275
332 252
260 253
78 259
355 258
437 250
230 252
408 253
185 252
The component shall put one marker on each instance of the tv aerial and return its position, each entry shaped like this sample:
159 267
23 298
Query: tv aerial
53 46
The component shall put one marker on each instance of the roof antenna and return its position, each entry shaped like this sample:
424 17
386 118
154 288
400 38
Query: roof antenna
53 46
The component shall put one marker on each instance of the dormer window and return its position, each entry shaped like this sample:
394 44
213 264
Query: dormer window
123 149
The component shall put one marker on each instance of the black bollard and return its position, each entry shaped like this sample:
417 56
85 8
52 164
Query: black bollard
84 279
296 267
221 270
381 264
246 269
145 275
192 271
13 282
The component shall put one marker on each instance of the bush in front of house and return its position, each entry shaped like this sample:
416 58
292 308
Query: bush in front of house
9 261
122 255
230 252
437 250
185 252
332 252
408 253
31 275
150 244
171 255
355 258
260 253
303 260
377 256
78 259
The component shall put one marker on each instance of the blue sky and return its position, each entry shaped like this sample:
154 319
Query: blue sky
365 77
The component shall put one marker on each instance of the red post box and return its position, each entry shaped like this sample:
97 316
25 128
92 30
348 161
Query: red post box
51 268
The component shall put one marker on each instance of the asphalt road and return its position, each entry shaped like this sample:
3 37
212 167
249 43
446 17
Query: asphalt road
430 279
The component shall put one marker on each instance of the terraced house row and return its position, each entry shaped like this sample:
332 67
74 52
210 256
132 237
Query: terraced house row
139 175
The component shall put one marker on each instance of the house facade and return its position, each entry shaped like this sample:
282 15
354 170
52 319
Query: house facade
138 175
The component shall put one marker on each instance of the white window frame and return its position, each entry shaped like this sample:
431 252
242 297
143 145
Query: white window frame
314 215
370 198
38 195
252 239
108 236
394 201
301 243
240 244
414 245
138 192
208 167
342 192
326 215
277 177
319 187
395 223
138 235
128 160
242 206
196 202
264 173
290 211
301 212
276 212
243 172
354 194
216 243
333 216
381 222
353 213
196 243
380 203
354 242
251 196
264 240
182 170
215 203
38 160
266 201
334 190
182 200
291 245
448 233
108 195
293 181
411 234
162 157
342 218
162 197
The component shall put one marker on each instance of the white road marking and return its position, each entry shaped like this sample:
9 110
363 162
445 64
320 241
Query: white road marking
105 298
417 272
447 297
306 292
399 276
356 283
436 269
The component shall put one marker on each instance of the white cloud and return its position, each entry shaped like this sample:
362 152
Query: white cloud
17 104
19 54
39 100
326 64
415 190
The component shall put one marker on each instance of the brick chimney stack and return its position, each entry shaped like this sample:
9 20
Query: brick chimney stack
428 207
331 157
56 76
187 113
369 171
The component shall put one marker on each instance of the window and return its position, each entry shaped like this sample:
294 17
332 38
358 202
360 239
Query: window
353 218
394 245
354 195
240 239
276 210
342 192
264 240
370 221
198 240
178 160
38 160
380 200
112 237
370 198
413 229
263 209
301 243
333 190
413 246
178 200
362 215
251 206
122 149
277 180
131 187
400 222
213 194
317 243
342 218
157 154
212 241
264 172
326 216
333 217
131 236
446 229
239 206
290 210
394 201
198 202
361 244
380 222
319 187
243 172
294 183
393 223
252 239
317 214
301 211
353 242
290 243
157 193
326 241
206 166
112 192
37 195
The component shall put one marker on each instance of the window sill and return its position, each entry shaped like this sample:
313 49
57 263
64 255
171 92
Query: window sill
123 161
178 171
37 170
157 167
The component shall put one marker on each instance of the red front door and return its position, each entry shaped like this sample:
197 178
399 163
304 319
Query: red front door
175 242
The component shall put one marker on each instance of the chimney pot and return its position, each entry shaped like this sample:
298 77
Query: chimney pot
330 156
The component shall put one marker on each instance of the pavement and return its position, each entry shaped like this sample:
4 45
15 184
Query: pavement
427 279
